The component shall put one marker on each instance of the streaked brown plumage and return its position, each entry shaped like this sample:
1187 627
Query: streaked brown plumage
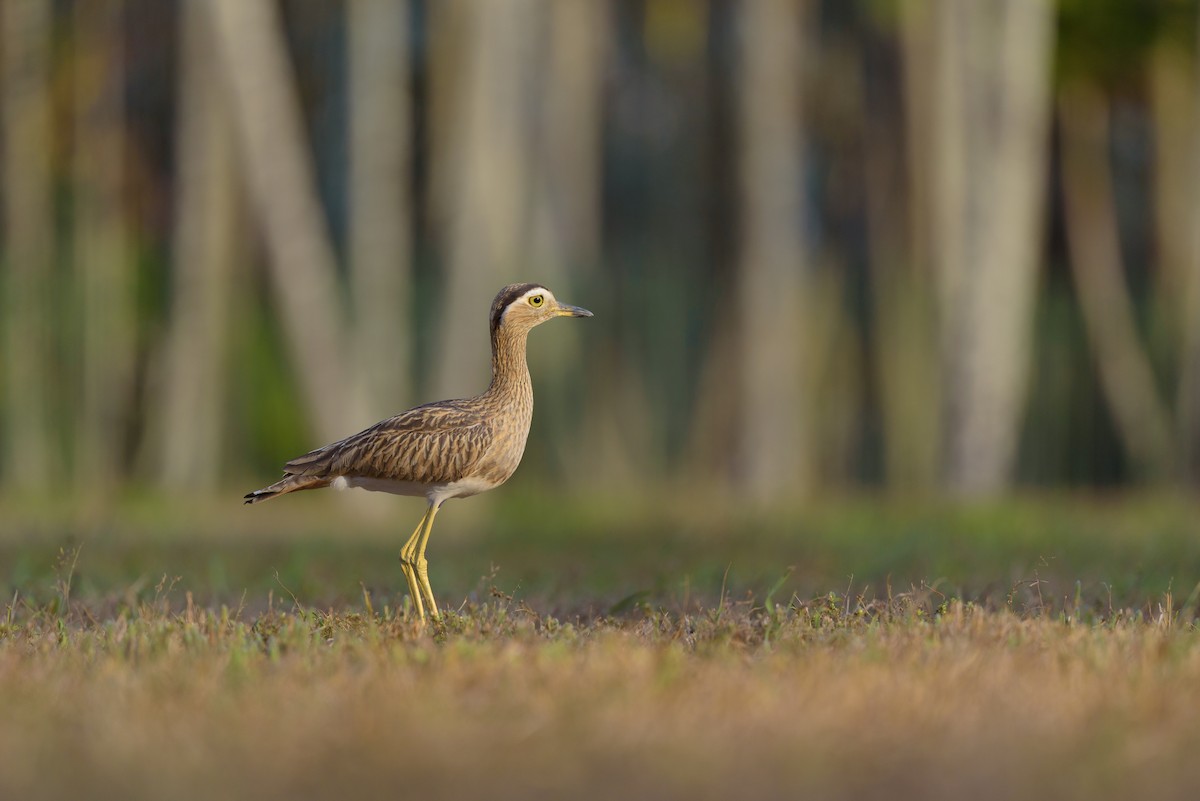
443 450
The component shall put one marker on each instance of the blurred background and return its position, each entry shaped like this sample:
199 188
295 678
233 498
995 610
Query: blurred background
936 248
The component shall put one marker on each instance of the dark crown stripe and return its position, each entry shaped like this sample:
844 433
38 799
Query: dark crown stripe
505 297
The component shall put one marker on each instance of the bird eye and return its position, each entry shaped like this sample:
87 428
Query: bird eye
536 301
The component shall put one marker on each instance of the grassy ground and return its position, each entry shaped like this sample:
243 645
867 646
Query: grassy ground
859 650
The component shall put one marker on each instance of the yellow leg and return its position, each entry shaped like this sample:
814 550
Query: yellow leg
423 563
408 564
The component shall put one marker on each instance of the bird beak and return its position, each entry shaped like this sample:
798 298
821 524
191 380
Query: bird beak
564 310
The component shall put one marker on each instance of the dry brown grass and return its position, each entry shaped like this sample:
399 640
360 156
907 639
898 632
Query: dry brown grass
895 699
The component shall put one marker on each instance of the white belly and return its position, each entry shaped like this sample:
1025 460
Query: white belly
436 493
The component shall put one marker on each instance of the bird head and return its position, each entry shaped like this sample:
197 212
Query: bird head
522 306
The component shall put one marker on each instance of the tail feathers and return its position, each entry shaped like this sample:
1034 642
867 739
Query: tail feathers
312 462
285 485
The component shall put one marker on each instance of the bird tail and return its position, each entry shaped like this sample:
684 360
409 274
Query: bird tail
285 485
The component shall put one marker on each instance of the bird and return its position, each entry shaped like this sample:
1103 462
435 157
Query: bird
441 450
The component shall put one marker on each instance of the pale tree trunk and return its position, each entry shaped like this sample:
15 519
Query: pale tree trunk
948 138
448 40
380 206
191 417
1172 86
565 226
27 449
903 290
917 46
1142 420
995 105
907 369
485 163
1188 402
772 436
103 265
566 192
277 164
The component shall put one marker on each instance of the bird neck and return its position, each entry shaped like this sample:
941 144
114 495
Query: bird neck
510 370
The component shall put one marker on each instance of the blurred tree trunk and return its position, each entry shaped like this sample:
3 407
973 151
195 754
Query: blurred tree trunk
948 162
27 448
103 263
902 287
990 140
191 419
565 224
566 193
772 453
1142 420
252 54
482 159
1171 84
1188 401
1174 105
380 210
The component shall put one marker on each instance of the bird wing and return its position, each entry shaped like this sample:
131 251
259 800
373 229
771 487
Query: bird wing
431 444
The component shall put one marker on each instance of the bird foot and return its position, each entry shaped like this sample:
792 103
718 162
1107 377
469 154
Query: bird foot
408 567
423 580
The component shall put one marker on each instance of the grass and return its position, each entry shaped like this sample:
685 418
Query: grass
574 556
1043 647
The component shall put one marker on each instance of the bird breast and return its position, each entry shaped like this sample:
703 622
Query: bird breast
504 455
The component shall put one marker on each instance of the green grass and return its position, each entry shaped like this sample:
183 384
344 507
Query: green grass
582 557
856 649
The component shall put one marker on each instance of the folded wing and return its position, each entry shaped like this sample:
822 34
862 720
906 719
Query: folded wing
431 444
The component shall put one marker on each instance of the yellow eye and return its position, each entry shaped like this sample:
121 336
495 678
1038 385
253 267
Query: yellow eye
536 301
